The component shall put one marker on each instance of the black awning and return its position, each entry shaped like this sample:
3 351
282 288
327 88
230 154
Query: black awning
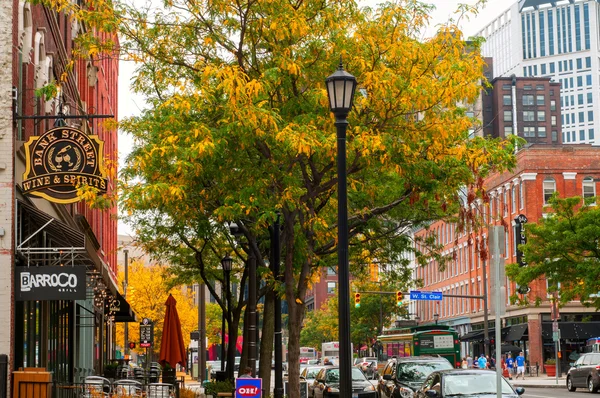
60 232
516 332
572 330
121 310
473 335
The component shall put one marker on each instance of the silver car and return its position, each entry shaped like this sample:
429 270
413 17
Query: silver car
309 373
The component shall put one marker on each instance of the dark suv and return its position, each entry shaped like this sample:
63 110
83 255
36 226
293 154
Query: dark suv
584 373
401 377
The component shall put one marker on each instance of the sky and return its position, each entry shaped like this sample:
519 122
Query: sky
131 104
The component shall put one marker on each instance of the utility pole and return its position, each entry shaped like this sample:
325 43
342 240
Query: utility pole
278 343
201 333
125 281
486 328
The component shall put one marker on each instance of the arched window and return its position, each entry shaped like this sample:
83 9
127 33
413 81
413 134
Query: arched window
549 188
25 30
39 60
589 188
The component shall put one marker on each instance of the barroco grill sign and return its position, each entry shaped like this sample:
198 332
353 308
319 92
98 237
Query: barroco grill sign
60 160
50 283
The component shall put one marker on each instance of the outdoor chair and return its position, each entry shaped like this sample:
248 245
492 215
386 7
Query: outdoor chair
95 387
127 388
160 390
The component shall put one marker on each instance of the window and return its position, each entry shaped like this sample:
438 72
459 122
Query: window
513 197
528 116
590 98
528 131
581 117
552 105
505 202
579 81
588 80
590 116
591 134
541 116
552 68
330 287
579 99
549 189
581 135
521 196
331 271
528 87
508 116
508 130
540 99
579 61
543 67
542 131
588 62
506 87
589 188
554 135
527 100
506 100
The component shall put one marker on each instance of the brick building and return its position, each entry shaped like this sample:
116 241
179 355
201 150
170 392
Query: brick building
541 170
68 327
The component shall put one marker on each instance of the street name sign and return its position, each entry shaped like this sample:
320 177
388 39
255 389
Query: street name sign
426 296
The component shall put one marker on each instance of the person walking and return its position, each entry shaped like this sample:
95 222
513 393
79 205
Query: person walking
520 366
247 374
510 364
327 362
469 361
482 362
464 364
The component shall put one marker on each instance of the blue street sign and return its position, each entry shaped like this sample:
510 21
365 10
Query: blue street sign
248 388
427 296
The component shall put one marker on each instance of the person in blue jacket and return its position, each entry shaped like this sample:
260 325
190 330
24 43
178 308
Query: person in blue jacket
510 364
482 362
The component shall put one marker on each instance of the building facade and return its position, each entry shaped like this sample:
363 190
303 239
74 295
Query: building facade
59 257
559 40
541 170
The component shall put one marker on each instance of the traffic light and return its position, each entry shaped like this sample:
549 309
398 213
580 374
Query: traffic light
357 300
399 297
131 345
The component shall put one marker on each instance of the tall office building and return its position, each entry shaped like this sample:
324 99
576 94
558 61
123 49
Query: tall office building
559 40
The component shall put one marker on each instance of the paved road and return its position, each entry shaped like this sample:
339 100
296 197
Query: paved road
531 392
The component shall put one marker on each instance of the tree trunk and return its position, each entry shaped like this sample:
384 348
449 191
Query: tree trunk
245 347
266 343
233 335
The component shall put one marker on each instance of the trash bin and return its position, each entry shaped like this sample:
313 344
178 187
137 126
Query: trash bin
221 375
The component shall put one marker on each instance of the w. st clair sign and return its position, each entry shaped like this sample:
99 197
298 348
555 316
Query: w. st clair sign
50 283
60 160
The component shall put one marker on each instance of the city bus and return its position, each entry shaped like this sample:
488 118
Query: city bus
331 350
308 353
433 340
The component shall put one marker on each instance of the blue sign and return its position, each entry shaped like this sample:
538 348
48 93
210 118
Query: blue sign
427 296
248 387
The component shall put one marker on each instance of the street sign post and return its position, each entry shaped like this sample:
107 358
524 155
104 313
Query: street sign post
146 333
426 296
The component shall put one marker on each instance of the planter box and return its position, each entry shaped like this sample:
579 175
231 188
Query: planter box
550 370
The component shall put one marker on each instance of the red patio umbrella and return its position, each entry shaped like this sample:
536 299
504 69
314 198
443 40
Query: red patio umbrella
172 347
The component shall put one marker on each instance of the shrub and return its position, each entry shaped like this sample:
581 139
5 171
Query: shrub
214 387
550 361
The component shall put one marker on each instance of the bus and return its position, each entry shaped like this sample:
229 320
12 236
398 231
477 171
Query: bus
331 350
433 340
592 345
308 353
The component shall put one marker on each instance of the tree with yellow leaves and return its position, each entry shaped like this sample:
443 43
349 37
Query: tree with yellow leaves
238 129
148 290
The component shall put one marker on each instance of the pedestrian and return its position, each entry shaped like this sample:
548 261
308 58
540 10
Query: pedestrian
510 364
520 365
464 364
247 374
492 363
327 362
482 362
469 361
487 362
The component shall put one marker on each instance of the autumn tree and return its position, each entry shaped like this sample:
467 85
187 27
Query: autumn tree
148 290
238 128
562 248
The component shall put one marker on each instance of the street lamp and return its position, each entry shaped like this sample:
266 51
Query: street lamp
340 90
227 263
436 317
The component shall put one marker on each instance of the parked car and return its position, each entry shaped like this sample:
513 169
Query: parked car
402 376
466 383
584 373
327 384
309 374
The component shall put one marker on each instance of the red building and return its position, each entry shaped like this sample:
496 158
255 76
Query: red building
71 336
541 170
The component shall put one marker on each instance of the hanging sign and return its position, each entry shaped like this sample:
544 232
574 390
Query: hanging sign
60 160
520 238
146 333
50 283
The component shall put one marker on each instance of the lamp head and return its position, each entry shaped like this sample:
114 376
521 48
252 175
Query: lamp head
340 90
227 263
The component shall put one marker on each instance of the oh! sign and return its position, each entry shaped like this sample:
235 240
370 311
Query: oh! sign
248 388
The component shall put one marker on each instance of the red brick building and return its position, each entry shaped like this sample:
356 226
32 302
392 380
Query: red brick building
70 337
541 170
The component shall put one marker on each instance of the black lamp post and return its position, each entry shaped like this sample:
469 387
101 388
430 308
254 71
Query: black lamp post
340 90
436 317
227 263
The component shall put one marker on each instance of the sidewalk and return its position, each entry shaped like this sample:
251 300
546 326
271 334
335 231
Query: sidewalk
539 382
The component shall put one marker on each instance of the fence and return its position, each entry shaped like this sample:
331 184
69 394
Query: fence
95 387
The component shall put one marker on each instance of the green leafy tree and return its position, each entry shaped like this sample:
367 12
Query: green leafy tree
238 128
564 249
